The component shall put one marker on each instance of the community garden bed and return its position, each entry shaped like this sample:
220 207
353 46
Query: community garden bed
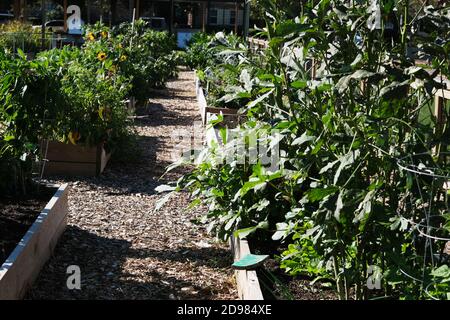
327 150
247 281
73 160
341 162
230 116
29 231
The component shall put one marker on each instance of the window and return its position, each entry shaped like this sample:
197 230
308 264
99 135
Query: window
213 16
232 17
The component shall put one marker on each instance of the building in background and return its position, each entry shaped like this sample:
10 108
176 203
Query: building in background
175 15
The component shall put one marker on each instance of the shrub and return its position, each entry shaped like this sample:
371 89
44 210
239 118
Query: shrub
337 198
17 35
147 57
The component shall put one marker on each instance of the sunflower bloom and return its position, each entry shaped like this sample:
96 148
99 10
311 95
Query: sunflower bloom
123 58
74 136
104 34
101 56
91 36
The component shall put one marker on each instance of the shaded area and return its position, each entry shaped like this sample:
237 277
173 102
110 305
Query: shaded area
17 216
126 249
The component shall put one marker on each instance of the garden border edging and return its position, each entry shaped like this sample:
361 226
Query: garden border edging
248 284
205 109
73 160
23 265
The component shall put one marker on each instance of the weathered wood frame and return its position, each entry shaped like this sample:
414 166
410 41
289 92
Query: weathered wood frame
73 160
205 110
24 264
257 45
439 102
247 281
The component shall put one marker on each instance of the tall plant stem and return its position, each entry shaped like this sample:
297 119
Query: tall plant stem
405 27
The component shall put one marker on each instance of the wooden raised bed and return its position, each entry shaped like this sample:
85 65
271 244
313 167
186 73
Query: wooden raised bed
231 116
22 267
257 45
248 284
73 160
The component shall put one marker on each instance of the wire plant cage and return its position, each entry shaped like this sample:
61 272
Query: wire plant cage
426 210
31 42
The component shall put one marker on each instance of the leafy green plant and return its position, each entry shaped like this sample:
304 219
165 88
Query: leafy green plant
225 69
17 35
199 52
147 57
24 87
342 99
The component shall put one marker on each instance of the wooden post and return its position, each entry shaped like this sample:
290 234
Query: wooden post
439 103
203 8
440 98
171 28
236 16
138 11
65 15
43 18
313 68
246 18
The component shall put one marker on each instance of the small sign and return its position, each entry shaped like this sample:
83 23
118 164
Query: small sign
250 261
74 22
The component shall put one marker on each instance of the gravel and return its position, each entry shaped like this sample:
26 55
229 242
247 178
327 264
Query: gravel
124 248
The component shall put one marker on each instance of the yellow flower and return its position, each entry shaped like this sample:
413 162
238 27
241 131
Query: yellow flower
101 56
91 36
120 46
74 136
104 34
123 58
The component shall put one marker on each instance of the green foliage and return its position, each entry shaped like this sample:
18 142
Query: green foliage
93 109
224 67
147 56
22 116
17 35
338 199
199 52
76 95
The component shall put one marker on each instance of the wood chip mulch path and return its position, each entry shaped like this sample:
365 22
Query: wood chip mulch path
126 250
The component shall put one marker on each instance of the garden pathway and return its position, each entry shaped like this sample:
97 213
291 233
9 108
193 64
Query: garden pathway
126 250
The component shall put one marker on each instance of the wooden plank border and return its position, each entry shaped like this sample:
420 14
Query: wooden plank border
256 45
205 110
202 104
247 280
440 97
22 267
70 160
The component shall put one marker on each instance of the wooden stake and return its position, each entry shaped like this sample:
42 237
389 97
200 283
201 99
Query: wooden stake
65 15
236 16
203 16
138 5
